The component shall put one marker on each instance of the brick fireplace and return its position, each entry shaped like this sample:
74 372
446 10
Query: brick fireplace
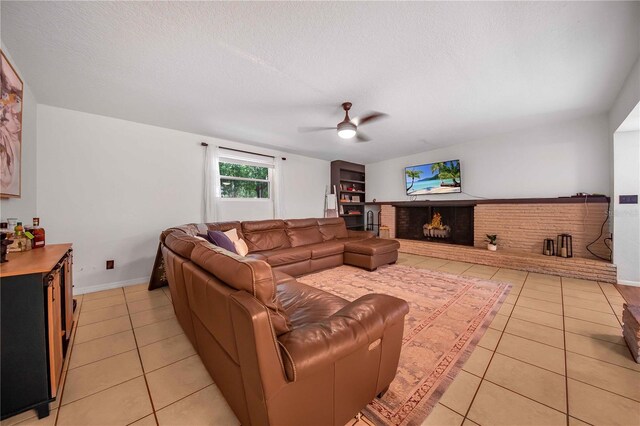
521 226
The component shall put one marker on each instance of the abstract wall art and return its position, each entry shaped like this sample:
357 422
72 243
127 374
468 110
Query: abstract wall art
10 130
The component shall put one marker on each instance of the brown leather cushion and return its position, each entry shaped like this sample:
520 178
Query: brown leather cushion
243 273
349 239
183 244
265 235
257 255
323 342
303 231
304 304
332 228
327 248
191 229
286 256
281 278
372 246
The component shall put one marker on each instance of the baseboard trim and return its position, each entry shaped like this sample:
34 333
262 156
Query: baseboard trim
632 283
108 286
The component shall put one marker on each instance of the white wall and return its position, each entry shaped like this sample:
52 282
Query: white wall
548 161
627 99
626 242
25 207
111 186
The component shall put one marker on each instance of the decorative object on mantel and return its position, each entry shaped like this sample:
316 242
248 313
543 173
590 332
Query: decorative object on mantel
548 248
564 245
10 130
436 229
631 329
492 245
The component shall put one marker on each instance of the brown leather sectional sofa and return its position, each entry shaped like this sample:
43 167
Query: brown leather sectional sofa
282 352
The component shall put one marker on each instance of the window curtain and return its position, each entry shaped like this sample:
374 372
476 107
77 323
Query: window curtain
211 181
278 189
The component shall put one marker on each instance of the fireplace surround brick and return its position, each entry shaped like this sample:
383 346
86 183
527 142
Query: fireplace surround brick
521 228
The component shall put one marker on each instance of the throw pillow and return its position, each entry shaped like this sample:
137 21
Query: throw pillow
232 234
241 247
221 240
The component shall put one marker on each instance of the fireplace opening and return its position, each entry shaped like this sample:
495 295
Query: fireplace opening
444 224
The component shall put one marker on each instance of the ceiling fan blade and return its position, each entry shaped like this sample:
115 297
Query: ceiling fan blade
372 116
314 129
362 138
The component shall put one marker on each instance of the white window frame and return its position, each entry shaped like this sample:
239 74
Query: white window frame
231 157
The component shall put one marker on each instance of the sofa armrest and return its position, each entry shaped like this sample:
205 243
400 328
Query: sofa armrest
310 348
361 234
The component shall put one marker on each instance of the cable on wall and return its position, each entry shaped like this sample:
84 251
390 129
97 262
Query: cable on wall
606 219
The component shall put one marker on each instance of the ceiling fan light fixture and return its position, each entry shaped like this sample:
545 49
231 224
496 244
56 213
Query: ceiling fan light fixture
346 130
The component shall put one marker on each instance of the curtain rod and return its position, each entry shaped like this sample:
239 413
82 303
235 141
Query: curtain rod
247 152
244 152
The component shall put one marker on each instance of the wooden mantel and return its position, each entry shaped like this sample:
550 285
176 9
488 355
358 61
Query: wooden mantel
473 202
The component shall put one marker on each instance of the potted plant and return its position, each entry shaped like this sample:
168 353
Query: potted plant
491 240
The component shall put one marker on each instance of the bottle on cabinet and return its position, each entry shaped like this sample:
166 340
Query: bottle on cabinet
24 238
38 234
20 240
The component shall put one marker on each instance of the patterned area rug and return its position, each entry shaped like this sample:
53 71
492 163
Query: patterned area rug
448 315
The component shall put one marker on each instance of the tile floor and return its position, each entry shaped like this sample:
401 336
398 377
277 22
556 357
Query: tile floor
553 355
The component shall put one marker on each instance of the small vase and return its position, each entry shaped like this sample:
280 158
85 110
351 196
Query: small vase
491 247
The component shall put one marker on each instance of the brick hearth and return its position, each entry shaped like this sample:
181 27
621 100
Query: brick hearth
588 269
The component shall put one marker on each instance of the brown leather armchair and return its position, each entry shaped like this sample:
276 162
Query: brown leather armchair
281 352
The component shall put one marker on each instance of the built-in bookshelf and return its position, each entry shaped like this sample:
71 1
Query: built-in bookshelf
349 182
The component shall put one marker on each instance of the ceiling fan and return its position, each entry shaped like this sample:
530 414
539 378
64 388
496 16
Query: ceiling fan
348 127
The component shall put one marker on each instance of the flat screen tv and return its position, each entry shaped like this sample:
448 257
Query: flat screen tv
434 178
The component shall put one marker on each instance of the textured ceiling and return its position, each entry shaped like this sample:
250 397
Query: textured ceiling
255 72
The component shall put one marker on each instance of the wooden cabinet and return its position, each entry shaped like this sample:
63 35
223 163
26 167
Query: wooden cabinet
349 181
55 332
67 295
36 297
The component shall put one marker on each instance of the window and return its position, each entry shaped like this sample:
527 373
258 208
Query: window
245 175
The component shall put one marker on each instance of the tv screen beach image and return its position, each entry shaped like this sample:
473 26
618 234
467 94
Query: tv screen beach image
434 178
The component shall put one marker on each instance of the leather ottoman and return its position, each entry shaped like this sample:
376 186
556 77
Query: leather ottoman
371 253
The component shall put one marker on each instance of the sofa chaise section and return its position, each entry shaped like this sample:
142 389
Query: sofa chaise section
281 352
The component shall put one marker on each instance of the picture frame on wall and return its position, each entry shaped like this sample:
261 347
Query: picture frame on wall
12 90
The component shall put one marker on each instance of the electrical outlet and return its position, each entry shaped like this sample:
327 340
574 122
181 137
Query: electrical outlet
628 199
111 264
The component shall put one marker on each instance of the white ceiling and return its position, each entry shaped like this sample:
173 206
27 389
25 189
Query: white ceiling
255 72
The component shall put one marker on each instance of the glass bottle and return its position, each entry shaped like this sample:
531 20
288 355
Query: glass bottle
38 234
19 239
